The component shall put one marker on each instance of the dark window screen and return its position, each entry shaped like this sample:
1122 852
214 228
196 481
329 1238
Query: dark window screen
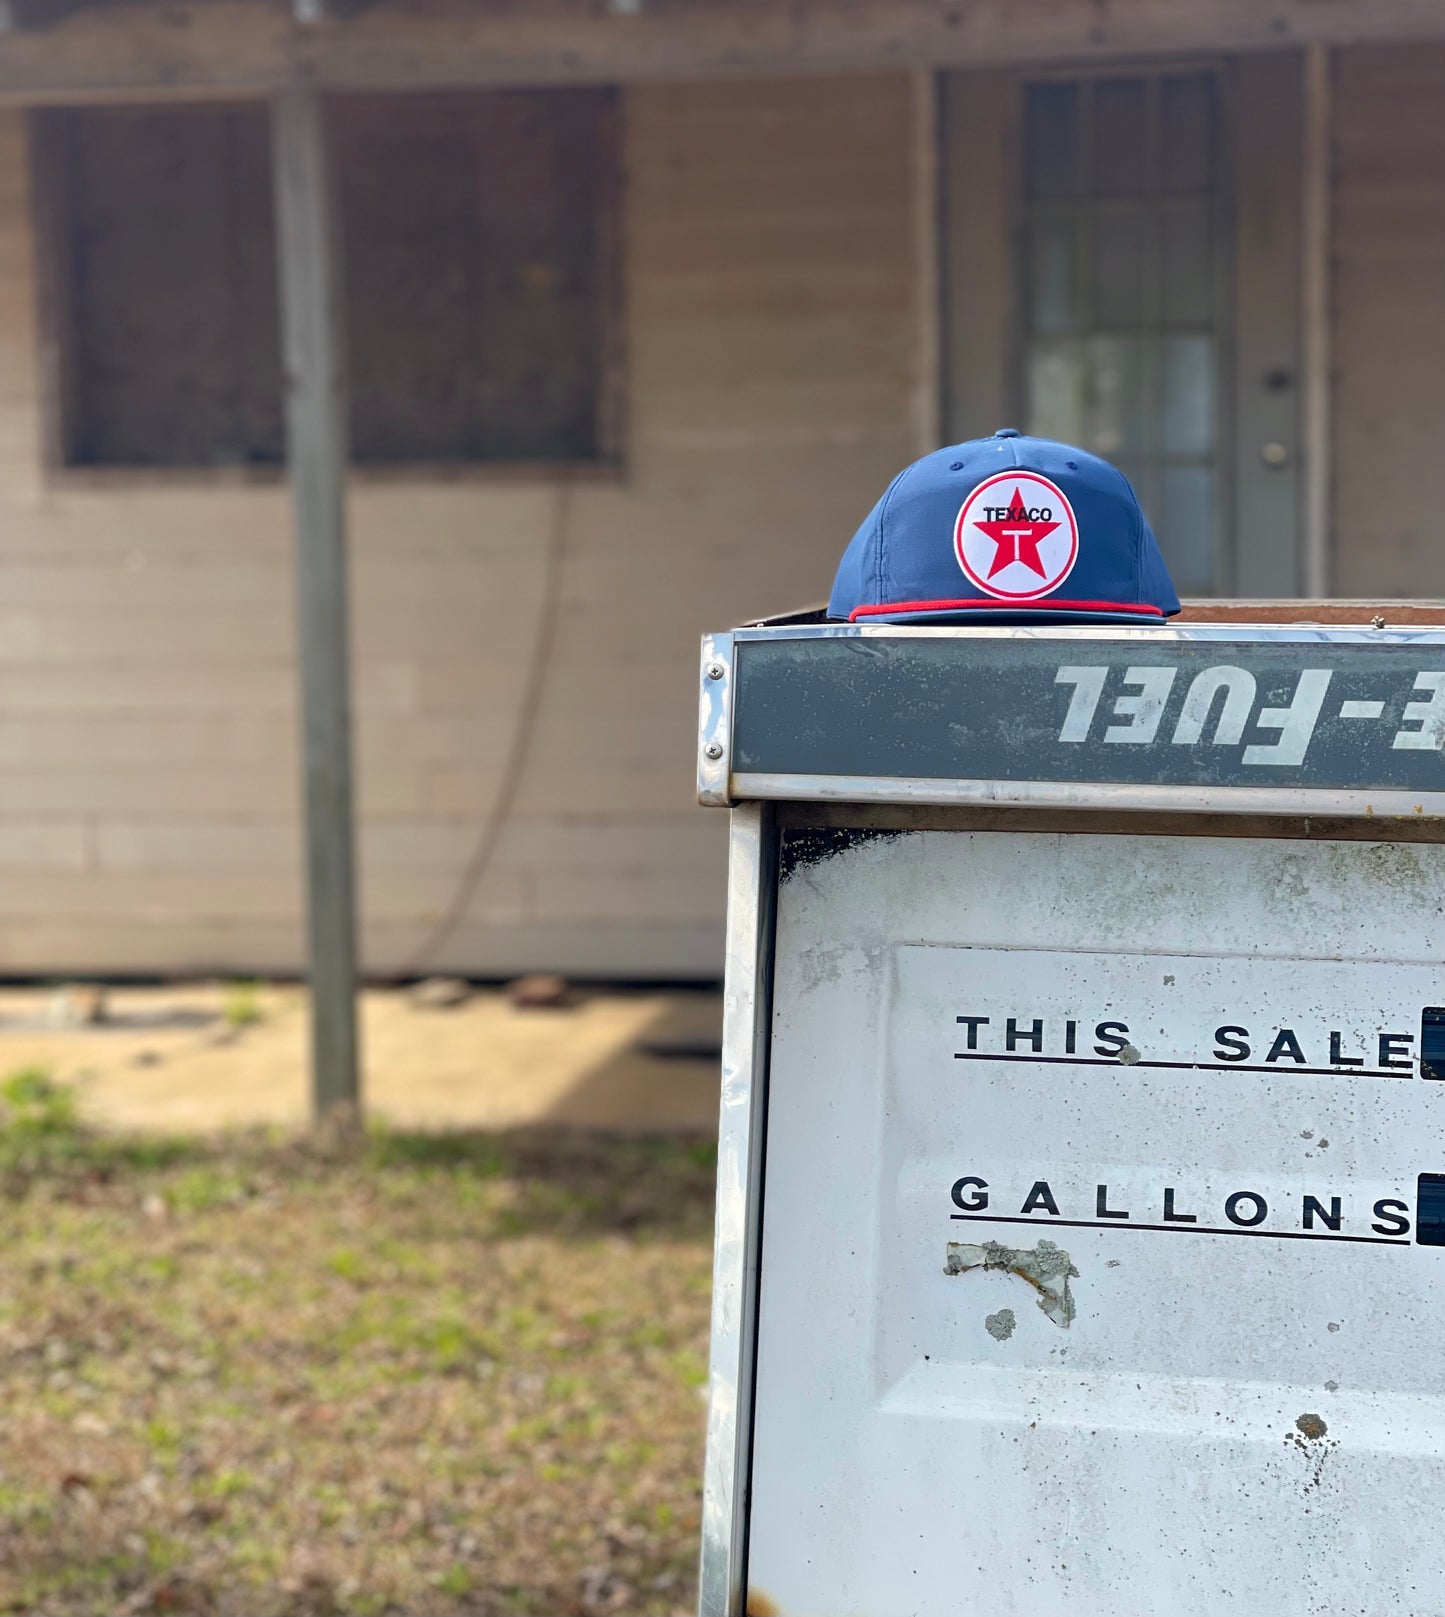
474 258
168 259
475 232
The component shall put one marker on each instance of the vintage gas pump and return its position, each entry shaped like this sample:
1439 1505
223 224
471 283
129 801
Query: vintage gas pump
1081 1178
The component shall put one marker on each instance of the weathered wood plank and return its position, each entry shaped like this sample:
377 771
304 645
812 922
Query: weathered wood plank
230 45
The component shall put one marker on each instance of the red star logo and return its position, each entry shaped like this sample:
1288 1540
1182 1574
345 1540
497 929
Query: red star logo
1016 537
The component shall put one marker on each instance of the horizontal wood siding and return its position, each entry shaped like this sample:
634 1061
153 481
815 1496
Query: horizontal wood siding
1389 322
148 780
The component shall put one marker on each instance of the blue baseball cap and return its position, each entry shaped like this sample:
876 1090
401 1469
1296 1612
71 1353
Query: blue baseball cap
1005 529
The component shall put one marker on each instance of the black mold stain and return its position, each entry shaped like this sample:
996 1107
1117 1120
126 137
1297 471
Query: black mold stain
812 845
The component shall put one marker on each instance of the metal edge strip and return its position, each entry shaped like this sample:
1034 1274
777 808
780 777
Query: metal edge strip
1226 633
747 1018
1089 794
715 720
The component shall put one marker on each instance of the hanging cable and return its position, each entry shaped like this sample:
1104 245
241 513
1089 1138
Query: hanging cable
514 768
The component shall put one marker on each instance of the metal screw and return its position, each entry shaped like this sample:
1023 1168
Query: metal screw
713 750
715 670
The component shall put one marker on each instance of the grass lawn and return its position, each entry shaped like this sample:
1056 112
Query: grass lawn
420 1374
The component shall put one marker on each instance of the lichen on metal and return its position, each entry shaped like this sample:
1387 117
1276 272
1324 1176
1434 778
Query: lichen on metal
1000 1326
1046 1267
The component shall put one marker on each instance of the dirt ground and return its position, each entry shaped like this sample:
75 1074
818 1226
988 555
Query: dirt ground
199 1058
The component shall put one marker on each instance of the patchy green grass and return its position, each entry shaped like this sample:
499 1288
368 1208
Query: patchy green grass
241 1005
421 1374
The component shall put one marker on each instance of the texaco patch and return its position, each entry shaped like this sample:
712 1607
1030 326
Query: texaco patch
1016 538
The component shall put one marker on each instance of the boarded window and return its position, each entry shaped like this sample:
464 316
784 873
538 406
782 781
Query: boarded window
165 294
474 255
476 232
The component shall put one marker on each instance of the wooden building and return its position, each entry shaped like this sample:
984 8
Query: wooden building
644 302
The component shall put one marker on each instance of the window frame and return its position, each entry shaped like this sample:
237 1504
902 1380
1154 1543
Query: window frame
51 216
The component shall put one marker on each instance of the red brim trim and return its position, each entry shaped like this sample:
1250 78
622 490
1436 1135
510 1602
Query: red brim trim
1051 605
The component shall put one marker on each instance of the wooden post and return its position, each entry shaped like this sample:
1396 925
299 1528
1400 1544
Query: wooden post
316 434
927 248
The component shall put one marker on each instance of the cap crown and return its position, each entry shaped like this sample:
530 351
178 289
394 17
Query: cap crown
1007 527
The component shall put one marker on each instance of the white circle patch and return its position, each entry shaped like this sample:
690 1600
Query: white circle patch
1016 538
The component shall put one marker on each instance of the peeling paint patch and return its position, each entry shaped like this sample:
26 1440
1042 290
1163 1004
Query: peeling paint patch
1000 1326
1045 1267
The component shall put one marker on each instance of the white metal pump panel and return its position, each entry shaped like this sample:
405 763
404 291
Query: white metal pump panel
1103 1248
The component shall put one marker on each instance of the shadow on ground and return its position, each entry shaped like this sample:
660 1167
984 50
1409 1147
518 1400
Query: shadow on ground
665 1078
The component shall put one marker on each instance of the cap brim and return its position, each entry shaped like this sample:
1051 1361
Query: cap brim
960 612
1014 615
